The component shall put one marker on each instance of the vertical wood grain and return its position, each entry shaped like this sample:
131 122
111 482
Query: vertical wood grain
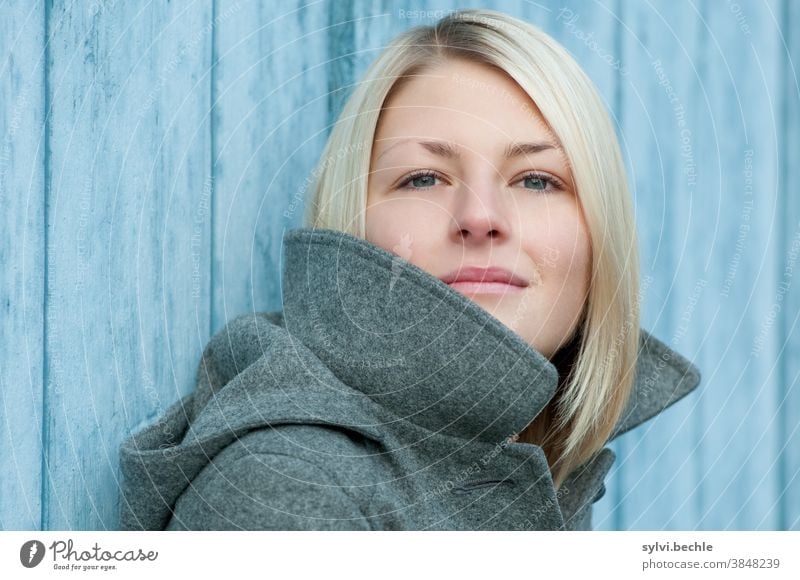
788 501
22 262
710 241
152 156
270 119
128 231
737 446
661 103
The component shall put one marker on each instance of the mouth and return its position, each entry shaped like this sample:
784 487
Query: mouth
485 288
494 280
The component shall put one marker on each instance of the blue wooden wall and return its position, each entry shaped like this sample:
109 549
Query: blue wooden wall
150 154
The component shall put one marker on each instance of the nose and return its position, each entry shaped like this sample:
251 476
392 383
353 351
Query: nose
479 215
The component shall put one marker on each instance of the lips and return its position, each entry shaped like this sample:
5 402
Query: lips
487 280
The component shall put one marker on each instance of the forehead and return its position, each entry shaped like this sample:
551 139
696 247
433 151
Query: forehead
461 102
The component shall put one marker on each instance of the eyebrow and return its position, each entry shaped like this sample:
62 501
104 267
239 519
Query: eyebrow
450 151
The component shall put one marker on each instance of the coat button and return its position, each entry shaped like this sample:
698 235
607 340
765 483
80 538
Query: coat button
600 493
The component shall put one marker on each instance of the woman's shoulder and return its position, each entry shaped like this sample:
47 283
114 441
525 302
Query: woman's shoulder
231 350
301 476
241 341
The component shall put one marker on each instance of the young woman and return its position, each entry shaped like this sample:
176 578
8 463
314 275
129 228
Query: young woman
460 334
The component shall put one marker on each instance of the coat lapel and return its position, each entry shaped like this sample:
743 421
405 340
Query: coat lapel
663 377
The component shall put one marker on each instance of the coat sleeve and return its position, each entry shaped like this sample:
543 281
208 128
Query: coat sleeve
266 492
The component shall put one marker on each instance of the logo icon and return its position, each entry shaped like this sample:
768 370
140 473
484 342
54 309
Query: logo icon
403 252
31 553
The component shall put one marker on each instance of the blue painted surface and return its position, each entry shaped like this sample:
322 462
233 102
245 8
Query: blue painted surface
152 155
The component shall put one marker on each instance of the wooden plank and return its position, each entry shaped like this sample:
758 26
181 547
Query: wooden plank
135 215
739 436
22 162
128 230
707 231
788 504
660 102
270 120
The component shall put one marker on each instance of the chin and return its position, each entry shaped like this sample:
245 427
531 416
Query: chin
507 310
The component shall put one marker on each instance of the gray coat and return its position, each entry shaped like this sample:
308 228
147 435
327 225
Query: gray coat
378 399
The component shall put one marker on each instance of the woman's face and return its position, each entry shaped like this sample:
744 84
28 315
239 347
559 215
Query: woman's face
466 176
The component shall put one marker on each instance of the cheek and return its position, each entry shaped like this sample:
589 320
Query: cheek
404 226
564 258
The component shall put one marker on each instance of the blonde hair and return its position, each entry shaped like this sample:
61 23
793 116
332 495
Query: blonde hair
590 399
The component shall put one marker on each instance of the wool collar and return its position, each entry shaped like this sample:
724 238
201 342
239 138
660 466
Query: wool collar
426 352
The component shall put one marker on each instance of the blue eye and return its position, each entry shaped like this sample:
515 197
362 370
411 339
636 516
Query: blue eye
425 179
539 182
420 180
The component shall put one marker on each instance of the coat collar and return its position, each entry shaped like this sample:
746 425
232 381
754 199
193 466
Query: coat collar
426 352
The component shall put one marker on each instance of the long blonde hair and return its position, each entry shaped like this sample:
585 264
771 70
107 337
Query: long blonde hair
590 399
